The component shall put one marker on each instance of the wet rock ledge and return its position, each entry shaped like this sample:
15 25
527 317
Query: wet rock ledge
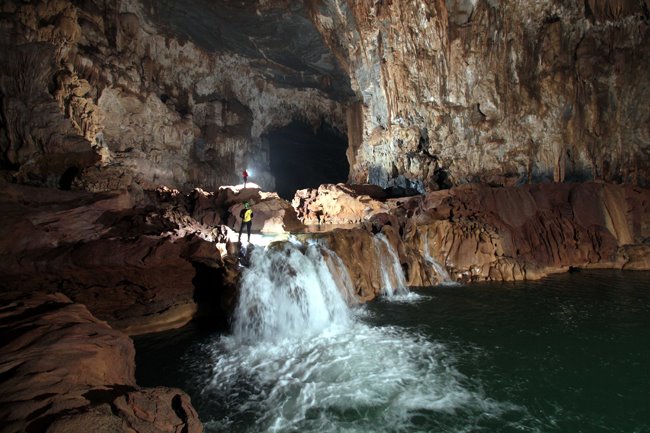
63 370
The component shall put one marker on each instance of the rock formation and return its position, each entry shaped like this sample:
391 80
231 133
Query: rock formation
495 92
467 123
143 261
65 371
484 233
101 96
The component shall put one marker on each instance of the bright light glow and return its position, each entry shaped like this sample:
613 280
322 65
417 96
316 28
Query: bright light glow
257 239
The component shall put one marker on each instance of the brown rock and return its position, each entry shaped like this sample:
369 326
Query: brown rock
363 255
337 204
136 268
479 232
517 233
64 370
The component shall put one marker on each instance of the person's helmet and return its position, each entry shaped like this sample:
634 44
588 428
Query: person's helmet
247 204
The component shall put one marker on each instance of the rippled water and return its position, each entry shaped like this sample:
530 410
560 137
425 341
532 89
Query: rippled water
570 353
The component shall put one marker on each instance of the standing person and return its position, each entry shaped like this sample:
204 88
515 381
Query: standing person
246 216
245 176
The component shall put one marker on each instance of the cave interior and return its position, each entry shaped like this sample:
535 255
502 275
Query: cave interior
305 157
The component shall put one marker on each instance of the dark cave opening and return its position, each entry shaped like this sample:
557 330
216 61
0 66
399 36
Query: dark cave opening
301 157
68 178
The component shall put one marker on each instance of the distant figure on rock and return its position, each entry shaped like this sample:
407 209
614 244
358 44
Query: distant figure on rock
245 176
246 216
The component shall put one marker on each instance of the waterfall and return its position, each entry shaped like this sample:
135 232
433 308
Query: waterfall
287 291
440 270
341 275
392 275
299 359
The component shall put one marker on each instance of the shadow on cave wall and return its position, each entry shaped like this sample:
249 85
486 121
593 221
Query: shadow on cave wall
301 157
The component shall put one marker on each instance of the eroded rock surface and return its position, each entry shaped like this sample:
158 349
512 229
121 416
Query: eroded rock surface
485 233
141 260
339 204
369 263
105 251
63 370
495 92
102 95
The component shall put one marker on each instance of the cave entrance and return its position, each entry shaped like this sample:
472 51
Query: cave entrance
301 157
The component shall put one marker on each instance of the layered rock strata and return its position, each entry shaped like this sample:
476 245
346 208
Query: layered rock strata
483 233
65 371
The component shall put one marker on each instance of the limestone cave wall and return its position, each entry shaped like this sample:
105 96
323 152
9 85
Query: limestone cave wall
501 92
105 95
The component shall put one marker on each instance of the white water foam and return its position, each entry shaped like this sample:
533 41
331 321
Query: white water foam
288 290
301 360
356 380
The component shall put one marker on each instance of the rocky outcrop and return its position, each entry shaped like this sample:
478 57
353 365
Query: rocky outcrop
340 204
142 260
104 251
369 264
527 232
65 371
484 233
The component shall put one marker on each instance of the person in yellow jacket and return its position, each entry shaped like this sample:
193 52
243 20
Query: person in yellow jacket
246 216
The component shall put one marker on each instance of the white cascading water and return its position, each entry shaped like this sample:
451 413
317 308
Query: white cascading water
288 290
338 268
300 359
393 280
440 270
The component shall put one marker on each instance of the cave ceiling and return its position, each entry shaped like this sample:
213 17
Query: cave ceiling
280 40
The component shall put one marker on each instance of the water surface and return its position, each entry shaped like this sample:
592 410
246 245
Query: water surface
566 354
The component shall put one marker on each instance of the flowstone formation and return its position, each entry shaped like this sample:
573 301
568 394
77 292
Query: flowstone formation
494 92
481 233
65 371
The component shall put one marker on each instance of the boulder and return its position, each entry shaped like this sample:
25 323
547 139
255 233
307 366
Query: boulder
338 204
